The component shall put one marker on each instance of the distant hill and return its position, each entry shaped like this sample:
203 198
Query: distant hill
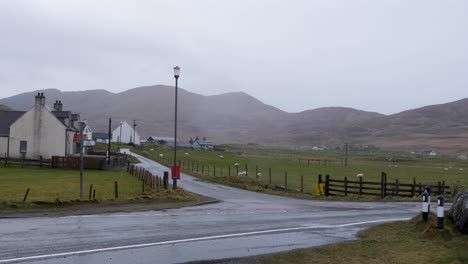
240 118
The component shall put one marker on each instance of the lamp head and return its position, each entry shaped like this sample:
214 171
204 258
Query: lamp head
176 71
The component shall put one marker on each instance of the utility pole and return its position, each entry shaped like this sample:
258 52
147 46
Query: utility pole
346 155
134 127
82 126
109 142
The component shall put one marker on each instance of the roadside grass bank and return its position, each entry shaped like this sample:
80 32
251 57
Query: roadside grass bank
298 170
56 192
400 242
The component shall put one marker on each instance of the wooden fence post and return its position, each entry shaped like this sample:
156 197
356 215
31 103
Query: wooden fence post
397 187
5 159
383 184
269 175
246 171
302 183
346 186
166 180
90 191
360 186
116 189
214 171
286 180
26 195
94 194
413 187
202 169
320 179
256 171
327 184
229 170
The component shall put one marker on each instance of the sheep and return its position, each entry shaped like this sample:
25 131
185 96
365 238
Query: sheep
446 169
151 149
242 173
221 157
187 154
360 175
461 169
259 175
236 164
161 155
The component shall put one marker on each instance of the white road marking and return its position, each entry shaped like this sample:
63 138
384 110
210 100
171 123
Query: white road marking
89 251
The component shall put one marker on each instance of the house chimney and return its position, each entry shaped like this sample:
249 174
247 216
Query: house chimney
40 99
58 105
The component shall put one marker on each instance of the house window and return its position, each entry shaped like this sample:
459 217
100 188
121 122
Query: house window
23 146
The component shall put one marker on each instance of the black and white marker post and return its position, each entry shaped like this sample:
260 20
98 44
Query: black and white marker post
425 206
440 212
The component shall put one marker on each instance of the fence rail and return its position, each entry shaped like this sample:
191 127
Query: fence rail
345 187
26 162
148 180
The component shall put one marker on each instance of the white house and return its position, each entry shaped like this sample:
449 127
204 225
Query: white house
39 131
202 144
124 133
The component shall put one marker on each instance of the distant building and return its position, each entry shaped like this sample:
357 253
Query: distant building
319 148
101 137
202 145
462 157
40 131
124 133
161 140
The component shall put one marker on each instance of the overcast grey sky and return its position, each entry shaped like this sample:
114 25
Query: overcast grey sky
383 56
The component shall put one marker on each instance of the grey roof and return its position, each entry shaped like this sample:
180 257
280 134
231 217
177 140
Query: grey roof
6 119
101 135
156 138
61 114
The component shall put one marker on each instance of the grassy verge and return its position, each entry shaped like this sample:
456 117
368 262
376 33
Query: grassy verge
400 242
56 191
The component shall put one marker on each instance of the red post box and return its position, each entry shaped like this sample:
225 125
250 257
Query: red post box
175 172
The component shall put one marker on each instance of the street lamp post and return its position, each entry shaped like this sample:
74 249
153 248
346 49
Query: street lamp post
174 179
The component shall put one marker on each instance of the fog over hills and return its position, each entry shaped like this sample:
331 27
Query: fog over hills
240 118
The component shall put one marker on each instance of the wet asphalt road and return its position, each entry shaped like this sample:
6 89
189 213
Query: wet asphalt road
242 224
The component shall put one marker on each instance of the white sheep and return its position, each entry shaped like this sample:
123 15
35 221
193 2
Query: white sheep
221 157
446 169
236 164
461 169
151 149
187 154
360 175
259 175
242 173
161 155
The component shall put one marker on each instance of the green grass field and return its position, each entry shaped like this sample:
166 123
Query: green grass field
51 184
404 168
400 242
